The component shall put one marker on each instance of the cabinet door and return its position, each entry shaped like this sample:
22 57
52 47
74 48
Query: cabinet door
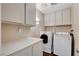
59 18
52 19
37 49
66 17
13 12
47 20
24 52
30 13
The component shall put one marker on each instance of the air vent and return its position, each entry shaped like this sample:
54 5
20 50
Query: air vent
53 3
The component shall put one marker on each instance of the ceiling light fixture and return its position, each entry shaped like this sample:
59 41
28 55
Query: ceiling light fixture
37 19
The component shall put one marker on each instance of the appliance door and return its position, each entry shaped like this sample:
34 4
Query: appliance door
62 45
47 46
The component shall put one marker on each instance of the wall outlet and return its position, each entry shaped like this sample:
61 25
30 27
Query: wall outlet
19 30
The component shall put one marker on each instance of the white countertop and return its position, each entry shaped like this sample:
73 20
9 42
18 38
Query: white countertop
11 47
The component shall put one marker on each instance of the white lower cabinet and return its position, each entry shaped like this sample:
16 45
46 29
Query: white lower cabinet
24 52
37 49
33 50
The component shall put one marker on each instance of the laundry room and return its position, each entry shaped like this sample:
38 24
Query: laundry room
39 29
57 26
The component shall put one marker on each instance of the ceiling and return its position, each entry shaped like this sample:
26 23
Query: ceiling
52 7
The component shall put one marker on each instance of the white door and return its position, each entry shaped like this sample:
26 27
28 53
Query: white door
13 12
30 13
66 17
59 18
62 45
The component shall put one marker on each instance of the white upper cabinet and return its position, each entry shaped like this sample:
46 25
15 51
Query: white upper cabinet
59 18
66 17
19 13
30 13
13 12
52 19
32 50
47 20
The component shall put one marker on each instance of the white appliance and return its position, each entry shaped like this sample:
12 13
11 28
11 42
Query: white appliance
47 46
62 44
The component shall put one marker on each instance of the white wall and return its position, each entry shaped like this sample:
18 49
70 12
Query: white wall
11 32
36 30
75 25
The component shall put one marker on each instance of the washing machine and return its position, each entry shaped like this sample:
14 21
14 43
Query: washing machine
47 41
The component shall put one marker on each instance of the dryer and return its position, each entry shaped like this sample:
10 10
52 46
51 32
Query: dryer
47 47
62 44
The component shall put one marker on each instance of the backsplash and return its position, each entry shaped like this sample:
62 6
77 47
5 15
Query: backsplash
14 32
